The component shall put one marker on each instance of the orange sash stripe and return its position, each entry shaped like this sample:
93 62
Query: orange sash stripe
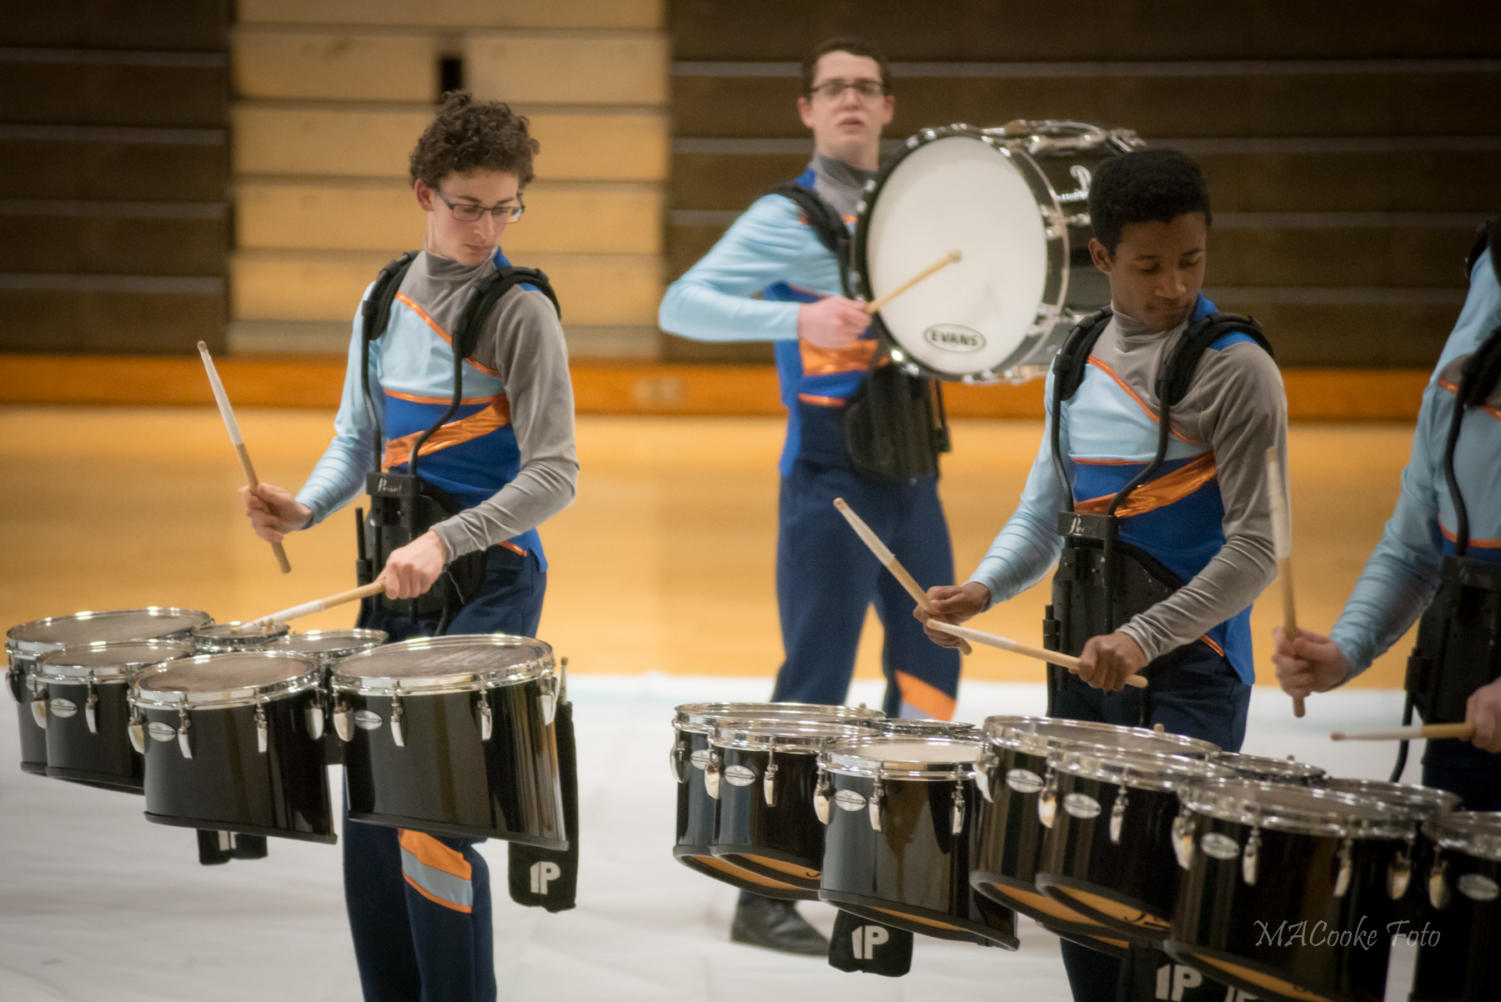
1103 367
1454 388
926 697
430 852
1159 493
810 398
1484 544
497 415
854 357
402 298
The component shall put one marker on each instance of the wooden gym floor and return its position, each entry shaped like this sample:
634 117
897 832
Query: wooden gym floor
663 564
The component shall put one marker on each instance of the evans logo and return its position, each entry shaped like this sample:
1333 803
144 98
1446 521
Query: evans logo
953 337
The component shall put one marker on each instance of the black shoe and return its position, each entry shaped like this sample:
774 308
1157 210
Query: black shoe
776 925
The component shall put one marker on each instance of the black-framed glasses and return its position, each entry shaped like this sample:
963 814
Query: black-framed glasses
473 212
865 87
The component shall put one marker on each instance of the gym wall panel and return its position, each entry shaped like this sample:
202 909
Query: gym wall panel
334 65
585 68
458 13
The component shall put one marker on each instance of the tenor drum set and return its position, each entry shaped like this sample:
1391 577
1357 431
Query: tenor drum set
224 727
1108 836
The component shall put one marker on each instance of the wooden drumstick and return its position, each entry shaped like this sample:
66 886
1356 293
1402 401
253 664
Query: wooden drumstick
1280 503
316 605
233 427
1026 650
1432 732
952 257
889 561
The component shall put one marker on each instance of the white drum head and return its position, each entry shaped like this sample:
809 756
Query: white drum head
978 318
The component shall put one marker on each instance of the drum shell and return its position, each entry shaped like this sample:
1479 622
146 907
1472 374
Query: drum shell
1458 945
1140 872
749 832
446 779
1218 915
333 749
25 687
229 784
915 872
98 758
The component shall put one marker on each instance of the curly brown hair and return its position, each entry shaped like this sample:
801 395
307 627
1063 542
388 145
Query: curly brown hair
468 135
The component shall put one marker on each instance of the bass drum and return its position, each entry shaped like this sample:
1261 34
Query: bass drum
1014 202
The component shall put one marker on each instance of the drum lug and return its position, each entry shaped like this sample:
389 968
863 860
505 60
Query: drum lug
769 781
875 808
262 732
956 823
549 699
982 777
184 732
1346 869
675 761
1399 874
398 733
822 791
91 707
1249 856
343 721
315 715
486 716
711 774
137 731
1118 816
1183 840
13 683
1438 886
39 709
1047 800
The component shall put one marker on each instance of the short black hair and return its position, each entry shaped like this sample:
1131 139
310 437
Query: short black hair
1145 186
467 135
852 44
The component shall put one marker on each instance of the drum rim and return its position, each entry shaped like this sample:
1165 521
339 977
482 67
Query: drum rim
342 675
1137 770
844 759
1383 822
1293 768
378 637
1033 743
702 718
269 633
1455 832
896 726
51 669
793 737
171 699
1424 801
15 642
1055 287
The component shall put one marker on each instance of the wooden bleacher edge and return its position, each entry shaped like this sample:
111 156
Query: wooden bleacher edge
605 387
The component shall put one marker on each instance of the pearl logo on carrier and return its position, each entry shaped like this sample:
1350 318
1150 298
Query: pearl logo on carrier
542 874
954 338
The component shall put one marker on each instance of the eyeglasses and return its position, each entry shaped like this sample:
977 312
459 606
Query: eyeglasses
832 89
473 212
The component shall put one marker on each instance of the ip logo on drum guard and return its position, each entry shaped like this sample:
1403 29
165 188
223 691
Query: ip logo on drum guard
954 338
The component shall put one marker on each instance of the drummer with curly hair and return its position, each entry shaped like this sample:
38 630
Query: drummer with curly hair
1147 490
420 905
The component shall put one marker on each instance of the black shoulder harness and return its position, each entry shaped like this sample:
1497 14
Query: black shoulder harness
827 225
376 314
1485 234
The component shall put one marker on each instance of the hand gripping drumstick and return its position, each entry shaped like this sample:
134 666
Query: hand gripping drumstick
888 559
316 605
1052 657
1280 503
233 427
1430 731
952 257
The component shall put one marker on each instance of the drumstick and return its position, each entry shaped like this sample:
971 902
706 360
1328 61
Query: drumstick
952 257
1026 650
233 427
889 561
1430 731
316 605
1280 503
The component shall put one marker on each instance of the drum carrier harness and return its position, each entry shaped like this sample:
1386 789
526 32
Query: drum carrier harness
894 423
404 506
1102 581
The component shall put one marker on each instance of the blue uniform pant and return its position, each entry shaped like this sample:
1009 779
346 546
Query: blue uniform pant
1463 769
827 578
1193 692
419 904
